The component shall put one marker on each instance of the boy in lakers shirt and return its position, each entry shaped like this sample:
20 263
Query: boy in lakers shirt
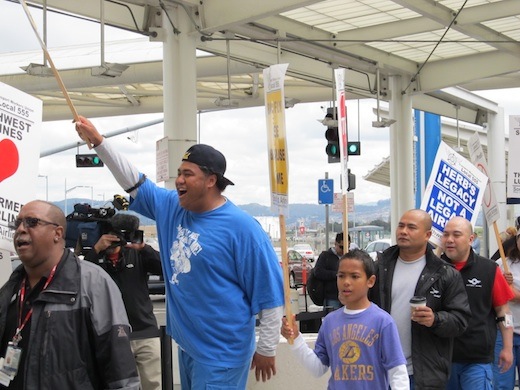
359 342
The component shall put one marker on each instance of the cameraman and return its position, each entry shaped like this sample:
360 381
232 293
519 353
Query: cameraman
129 264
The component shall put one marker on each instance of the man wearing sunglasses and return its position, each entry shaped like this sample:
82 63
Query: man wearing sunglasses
63 324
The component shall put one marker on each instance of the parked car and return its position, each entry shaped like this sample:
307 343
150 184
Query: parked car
305 250
377 246
295 266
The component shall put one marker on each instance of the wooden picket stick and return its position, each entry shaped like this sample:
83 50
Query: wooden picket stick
54 70
500 248
285 270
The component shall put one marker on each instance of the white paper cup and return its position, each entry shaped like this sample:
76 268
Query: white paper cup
417 302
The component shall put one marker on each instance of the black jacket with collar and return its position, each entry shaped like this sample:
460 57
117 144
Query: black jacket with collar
477 343
442 286
79 330
326 269
131 276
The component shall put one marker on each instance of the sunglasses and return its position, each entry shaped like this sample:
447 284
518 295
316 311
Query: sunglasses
29 222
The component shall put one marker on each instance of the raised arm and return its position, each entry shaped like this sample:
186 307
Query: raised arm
126 174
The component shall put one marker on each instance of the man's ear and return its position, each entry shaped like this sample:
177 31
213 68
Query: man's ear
371 281
212 180
60 232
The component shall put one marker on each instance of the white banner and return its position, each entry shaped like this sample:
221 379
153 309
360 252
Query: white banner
274 77
20 128
342 125
489 201
455 188
513 170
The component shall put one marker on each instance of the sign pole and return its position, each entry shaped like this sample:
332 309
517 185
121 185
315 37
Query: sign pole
327 220
500 247
345 223
278 164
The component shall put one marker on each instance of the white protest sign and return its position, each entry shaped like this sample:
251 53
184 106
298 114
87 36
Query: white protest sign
20 128
513 171
489 201
455 188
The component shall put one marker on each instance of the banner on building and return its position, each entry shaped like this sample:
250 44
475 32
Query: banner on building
513 170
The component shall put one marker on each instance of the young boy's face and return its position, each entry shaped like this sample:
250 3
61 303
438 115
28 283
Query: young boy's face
353 284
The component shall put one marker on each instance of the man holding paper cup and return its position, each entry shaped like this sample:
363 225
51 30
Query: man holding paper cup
411 269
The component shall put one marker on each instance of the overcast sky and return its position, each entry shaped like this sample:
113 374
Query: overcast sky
239 134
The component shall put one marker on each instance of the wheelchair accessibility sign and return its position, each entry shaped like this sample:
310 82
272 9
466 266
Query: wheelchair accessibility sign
325 191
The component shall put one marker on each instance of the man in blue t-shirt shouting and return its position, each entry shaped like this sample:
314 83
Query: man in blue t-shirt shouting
219 266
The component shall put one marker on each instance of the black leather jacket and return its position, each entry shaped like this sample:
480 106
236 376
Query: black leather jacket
444 290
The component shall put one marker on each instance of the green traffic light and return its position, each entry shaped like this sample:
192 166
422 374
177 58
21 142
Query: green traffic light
96 160
332 150
354 148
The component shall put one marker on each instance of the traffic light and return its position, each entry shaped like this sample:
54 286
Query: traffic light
353 148
351 181
332 135
88 161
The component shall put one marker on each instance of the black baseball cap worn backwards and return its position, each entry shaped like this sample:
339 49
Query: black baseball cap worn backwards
209 157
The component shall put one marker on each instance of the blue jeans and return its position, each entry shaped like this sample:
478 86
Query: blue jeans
198 376
471 376
506 380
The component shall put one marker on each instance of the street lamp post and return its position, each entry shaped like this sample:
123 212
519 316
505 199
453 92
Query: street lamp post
46 186
67 190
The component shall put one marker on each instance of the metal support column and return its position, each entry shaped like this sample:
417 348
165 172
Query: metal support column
496 155
401 152
179 85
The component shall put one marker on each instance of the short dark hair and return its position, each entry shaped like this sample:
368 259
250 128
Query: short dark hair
339 237
222 182
514 253
364 258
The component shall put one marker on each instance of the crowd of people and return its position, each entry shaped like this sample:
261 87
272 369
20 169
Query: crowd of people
67 323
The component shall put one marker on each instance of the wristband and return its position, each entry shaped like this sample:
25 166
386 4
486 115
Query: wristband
137 185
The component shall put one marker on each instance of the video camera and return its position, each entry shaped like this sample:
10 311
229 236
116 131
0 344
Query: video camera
86 224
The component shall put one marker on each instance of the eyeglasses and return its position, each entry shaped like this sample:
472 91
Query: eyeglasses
29 222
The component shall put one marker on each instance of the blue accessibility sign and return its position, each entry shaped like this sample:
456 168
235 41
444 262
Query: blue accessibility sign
325 191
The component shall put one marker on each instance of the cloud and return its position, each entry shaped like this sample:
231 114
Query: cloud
240 135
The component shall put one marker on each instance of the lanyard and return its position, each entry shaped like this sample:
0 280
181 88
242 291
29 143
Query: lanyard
17 336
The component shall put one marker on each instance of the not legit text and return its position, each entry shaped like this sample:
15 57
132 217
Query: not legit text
453 194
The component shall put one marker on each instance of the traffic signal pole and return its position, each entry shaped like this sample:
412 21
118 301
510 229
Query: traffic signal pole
326 220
